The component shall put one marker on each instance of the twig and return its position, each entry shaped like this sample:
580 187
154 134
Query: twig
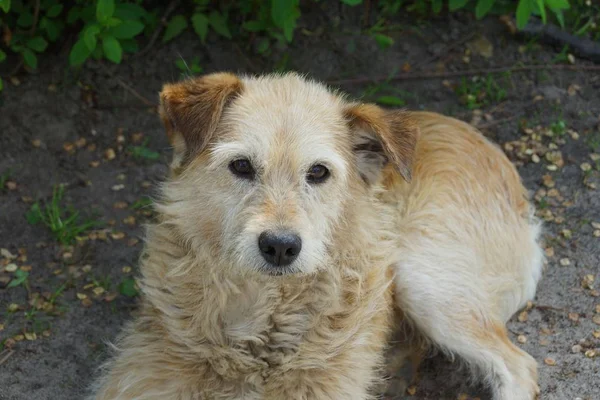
131 90
446 51
135 93
7 356
552 34
468 72
36 16
163 21
497 122
550 308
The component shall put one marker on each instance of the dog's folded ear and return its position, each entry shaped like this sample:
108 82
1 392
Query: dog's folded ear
191 110
380 137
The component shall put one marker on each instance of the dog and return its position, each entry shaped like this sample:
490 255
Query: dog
293 228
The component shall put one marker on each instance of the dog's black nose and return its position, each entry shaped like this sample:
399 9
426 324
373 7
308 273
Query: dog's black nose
279 249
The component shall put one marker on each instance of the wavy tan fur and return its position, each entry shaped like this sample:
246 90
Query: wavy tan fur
437 226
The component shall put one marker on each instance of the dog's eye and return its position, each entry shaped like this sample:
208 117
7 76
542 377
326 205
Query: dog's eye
317 174
242 168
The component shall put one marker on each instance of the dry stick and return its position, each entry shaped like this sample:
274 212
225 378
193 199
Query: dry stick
131 90
468 72
7 356
163 21
36 16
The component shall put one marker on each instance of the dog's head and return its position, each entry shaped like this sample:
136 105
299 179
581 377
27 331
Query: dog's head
266 169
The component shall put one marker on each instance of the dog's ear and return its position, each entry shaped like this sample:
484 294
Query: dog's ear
380 137
191 110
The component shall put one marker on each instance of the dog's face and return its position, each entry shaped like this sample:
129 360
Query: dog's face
265 169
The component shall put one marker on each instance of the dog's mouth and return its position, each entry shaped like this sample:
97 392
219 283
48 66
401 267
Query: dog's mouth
279 271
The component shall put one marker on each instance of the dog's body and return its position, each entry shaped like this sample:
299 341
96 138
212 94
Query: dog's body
225 318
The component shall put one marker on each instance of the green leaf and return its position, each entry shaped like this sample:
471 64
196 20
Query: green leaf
90 36
104 10
54 11
129 11
25 20
383 41
112 49
542 10
127 29
263 46
127 287
2 55
454 5
30 58
352 3
1 84
218 22
176 25
524 11
390 101
5 5
20 277
129 45
79 52
281 10
436 6
200 24
556 5
34 215
253 26
483 8
73 15
52 28
560 17
37 44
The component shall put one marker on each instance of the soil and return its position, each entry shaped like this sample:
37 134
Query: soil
45 119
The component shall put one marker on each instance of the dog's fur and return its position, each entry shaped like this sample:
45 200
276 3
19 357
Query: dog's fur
217 322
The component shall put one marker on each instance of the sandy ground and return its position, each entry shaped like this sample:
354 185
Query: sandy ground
56 127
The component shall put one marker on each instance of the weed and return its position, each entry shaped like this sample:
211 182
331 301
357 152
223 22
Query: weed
142 152
593 141
128 287
189 69
3 178
478 92
542 204
559 127
57 293
104 282
142 202
64 223
385 94
20 279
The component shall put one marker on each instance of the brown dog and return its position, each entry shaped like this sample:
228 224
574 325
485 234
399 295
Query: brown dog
289 211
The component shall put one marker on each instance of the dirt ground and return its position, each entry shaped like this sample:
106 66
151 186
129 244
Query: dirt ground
58 126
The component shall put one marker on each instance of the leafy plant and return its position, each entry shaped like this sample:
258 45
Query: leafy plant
191 68
478 92
128 287
3 178
64 223
142 152
19 279
108 30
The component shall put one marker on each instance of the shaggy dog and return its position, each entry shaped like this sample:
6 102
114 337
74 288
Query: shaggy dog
293 224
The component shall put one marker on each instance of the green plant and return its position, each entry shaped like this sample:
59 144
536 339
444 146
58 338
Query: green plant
108 30
189 69
3 178
64 223
142 152
142 202
21 278
128 287
559 127
478 92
